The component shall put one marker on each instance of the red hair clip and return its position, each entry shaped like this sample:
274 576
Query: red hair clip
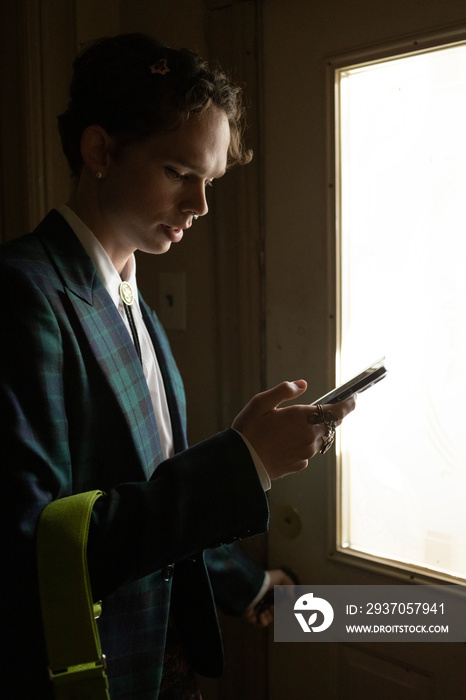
160 67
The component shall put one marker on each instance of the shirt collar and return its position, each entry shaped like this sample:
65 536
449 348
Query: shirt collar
99 256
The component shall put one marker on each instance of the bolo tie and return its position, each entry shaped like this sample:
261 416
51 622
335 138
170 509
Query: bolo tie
127 297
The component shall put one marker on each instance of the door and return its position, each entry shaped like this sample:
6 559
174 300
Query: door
301 39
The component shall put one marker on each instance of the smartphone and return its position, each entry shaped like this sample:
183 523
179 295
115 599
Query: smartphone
357 384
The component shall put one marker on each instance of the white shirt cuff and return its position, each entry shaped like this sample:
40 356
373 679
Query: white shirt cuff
261 470
262 591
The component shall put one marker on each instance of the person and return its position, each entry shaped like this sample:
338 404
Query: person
91 396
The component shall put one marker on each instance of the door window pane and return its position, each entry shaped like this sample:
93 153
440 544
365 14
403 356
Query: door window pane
401 135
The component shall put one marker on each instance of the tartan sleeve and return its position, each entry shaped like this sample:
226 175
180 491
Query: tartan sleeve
205 497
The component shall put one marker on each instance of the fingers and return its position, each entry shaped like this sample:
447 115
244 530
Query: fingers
261 619
330 416
331 413
286 437
340 410
265 618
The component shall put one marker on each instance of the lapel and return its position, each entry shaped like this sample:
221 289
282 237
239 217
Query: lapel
109 340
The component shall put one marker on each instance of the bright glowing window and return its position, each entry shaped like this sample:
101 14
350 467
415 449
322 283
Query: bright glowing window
401 240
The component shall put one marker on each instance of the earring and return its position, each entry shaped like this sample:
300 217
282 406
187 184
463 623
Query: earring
99 175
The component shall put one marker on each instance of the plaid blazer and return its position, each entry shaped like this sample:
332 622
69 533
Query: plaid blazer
76 415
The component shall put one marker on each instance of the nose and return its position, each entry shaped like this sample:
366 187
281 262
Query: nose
196 201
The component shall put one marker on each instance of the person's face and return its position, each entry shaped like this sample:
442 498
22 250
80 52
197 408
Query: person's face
152 189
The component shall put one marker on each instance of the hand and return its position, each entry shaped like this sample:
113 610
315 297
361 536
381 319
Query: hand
285 438
261 614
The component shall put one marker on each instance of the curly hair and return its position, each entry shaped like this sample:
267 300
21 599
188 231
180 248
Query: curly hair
135 87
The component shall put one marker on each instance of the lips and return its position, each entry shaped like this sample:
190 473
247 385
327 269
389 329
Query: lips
173 234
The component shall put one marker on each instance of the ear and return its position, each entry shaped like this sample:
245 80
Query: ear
95 149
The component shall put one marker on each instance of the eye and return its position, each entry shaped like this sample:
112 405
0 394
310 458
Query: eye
174 174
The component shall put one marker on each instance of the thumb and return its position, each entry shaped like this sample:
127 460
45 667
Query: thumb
266 402
285 391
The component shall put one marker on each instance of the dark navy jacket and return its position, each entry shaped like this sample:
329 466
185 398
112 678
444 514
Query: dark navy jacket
76 415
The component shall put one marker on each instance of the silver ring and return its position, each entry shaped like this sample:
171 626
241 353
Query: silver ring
195 216
320 418
329 437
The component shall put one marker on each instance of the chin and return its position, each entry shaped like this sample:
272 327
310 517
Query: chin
158 249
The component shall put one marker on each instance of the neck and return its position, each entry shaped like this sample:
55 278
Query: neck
86 207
